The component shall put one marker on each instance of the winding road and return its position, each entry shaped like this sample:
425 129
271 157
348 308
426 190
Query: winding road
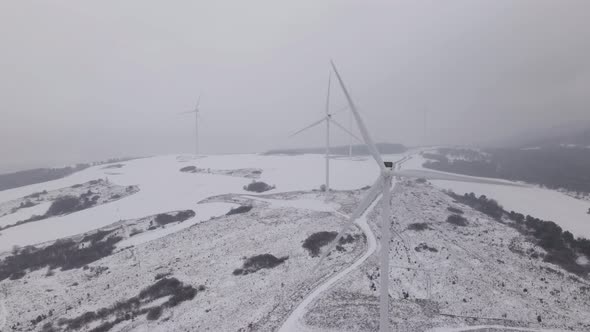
295 321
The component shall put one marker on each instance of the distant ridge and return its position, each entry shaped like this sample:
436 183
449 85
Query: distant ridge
357 150
573 137
559 135
38 175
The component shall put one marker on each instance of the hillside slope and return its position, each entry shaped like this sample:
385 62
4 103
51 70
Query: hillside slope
445 275
196 251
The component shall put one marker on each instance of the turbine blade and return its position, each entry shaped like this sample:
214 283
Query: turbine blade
187 112
198 102
370 196
364 132
328 95
308 127
346 130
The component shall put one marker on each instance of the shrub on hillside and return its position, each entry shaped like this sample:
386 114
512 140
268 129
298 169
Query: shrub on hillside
482 204
64 205
26 204
258 262
154 313
316 241
37 194
170 288
258 187
189 169
562 248
180 216
239 209
113 166
455 210
135 231
64 253
424 247
419 226
457 220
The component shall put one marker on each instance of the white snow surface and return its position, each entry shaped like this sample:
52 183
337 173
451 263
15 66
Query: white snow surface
568 212
24 213
295 323
164 188
303 203
203 212
484 327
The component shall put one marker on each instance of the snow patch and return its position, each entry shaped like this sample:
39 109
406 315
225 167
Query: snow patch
303 203
569 213
24 213
203 212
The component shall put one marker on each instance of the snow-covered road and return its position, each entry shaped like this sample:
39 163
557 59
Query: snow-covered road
294 322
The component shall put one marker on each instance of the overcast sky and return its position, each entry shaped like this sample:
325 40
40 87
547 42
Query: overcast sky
83 80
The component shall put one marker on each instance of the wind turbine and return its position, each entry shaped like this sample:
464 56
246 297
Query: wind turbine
381 186
196 111
328 119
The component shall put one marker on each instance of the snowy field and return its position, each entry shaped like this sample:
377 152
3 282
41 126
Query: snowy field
205 254
24 213
568 212
164 188
477 271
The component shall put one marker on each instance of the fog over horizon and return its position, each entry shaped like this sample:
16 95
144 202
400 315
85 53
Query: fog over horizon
94 80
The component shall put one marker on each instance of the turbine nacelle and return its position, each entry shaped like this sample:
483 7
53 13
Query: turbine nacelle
387 171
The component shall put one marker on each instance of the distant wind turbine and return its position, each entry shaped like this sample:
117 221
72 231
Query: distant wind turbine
196 111
328 119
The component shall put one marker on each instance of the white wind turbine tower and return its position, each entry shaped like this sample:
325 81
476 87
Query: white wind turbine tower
328 119
350 141
381 186
196 111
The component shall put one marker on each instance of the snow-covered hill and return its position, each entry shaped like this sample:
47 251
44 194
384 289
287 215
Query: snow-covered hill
169 256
